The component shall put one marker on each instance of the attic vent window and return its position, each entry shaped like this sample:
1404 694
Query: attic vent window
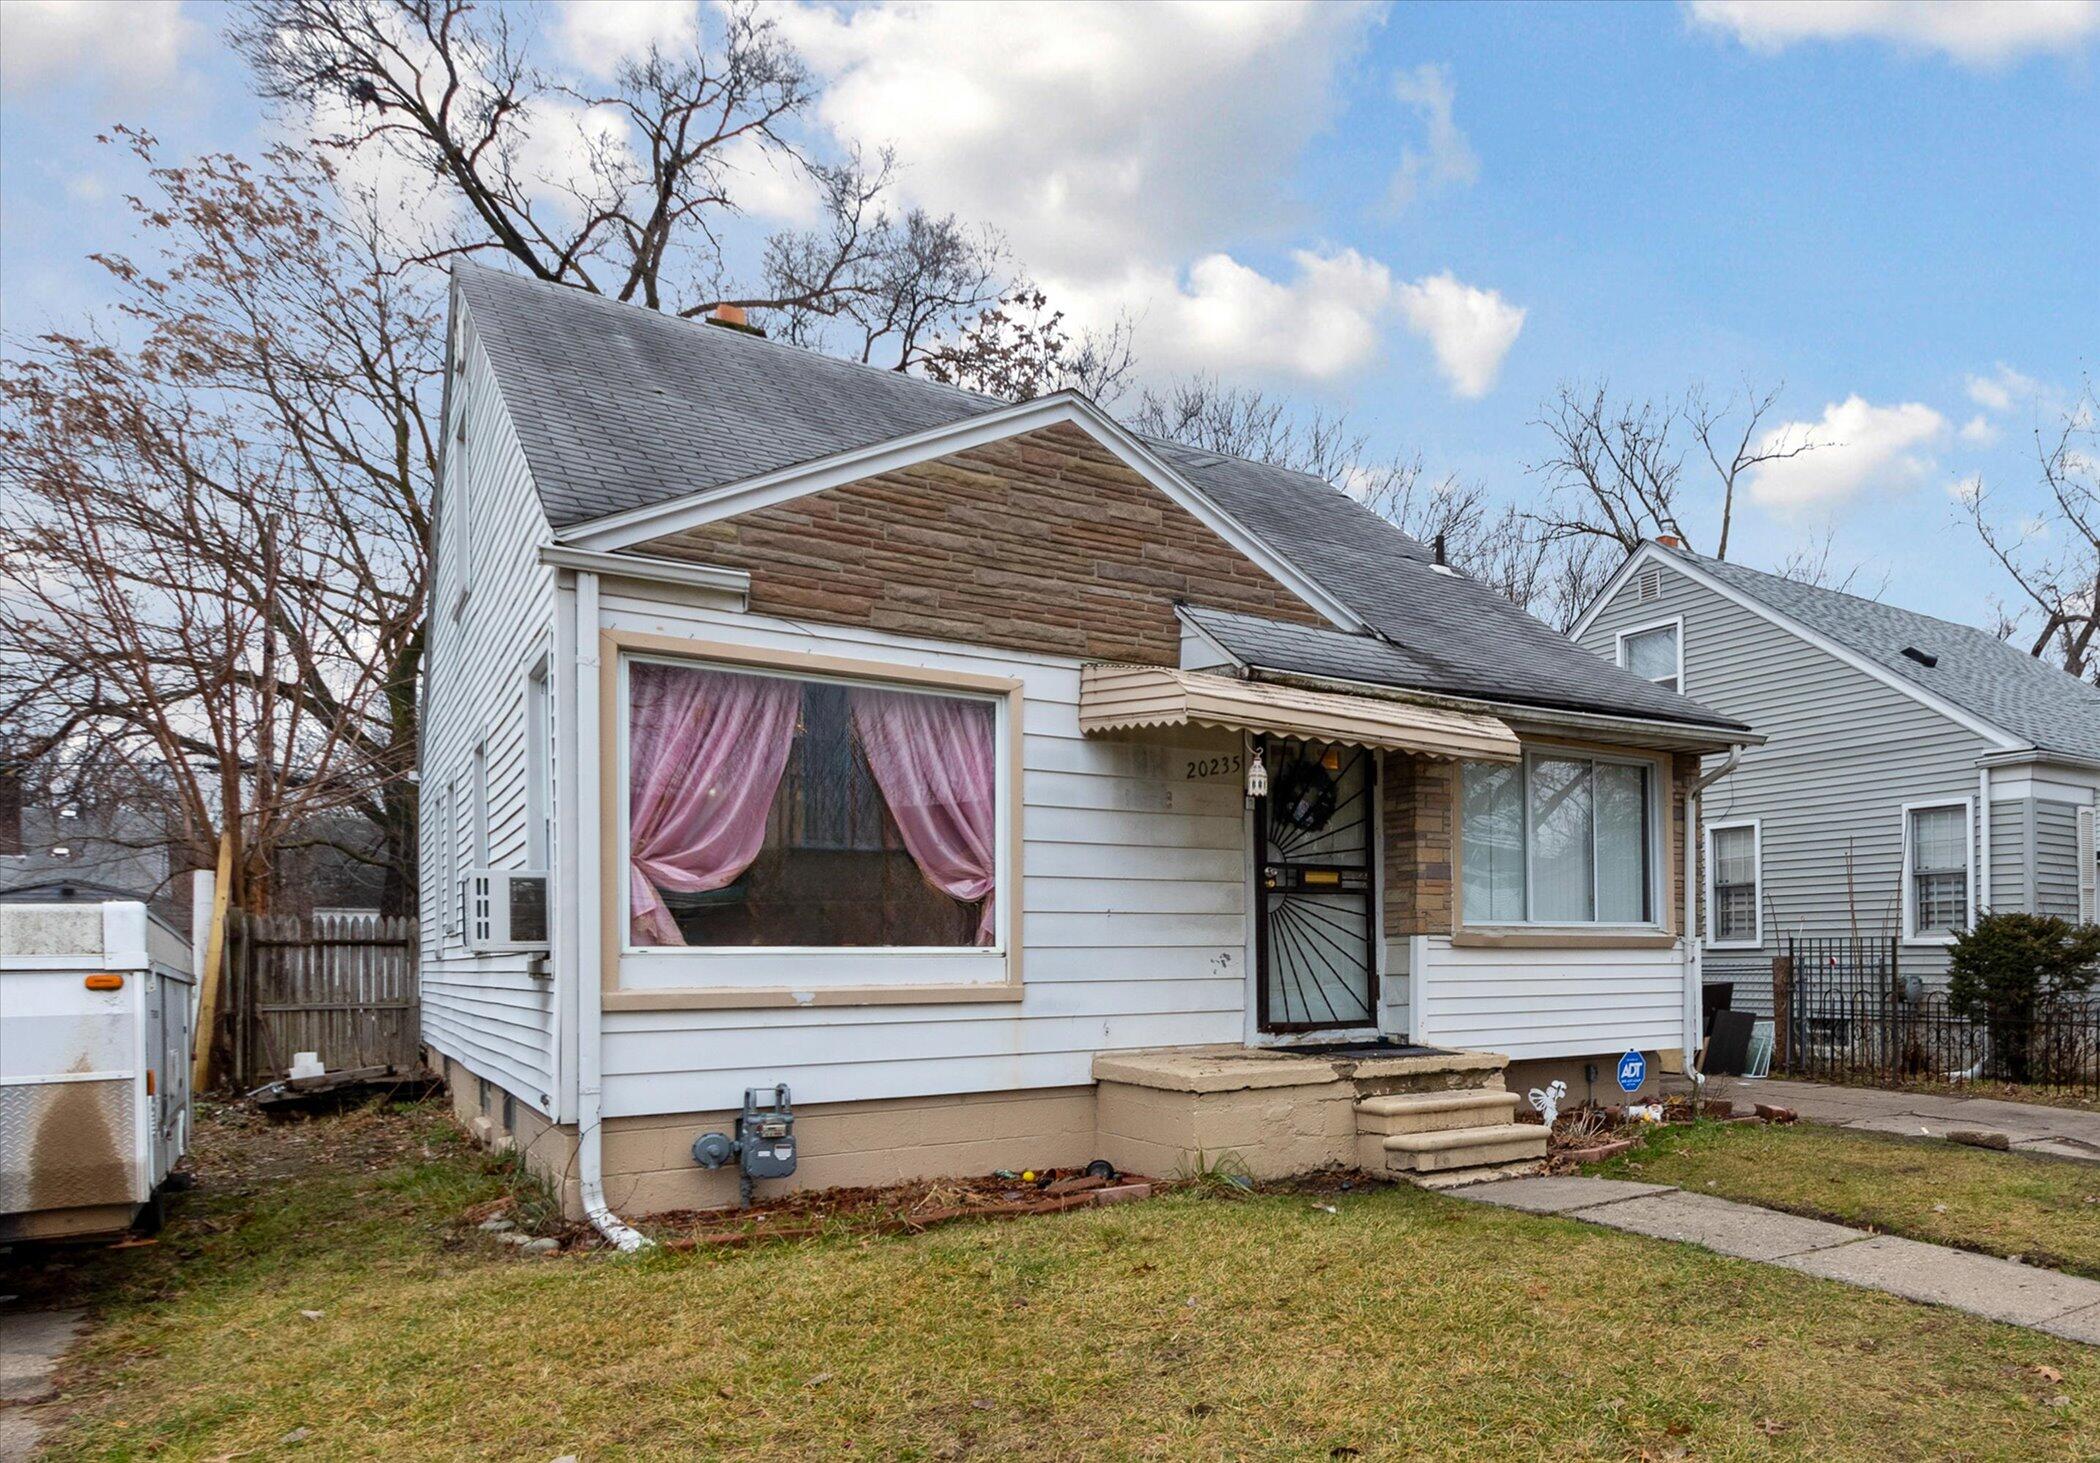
1923 658
1651 585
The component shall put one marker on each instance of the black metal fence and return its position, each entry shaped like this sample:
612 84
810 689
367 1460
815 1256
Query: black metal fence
1844 1010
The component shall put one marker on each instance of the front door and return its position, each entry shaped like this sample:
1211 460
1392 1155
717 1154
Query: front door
1313 924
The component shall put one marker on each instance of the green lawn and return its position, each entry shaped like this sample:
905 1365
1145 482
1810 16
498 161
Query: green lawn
1191 1326
2043 1209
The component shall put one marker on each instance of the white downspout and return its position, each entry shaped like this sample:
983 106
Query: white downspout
1693 956
590 1009
1983 841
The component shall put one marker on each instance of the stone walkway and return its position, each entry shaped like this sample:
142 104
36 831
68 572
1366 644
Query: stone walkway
31 1343
2059 1132
2022 1295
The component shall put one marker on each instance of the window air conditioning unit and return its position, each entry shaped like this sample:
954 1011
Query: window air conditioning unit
503 910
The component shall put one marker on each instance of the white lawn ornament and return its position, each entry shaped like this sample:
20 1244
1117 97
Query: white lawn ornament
1547 1103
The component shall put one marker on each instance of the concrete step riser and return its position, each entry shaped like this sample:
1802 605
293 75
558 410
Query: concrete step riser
1500 1108
1453 1159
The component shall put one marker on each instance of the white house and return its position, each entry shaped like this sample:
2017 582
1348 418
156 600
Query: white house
1010 787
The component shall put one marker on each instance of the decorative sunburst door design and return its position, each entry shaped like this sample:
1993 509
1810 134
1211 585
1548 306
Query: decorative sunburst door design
1314 925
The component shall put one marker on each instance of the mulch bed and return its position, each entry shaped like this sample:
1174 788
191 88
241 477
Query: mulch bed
908 1208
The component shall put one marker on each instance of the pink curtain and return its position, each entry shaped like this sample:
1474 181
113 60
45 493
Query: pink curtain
705 753
935 759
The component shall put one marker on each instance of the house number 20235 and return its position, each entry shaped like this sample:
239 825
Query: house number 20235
1203 767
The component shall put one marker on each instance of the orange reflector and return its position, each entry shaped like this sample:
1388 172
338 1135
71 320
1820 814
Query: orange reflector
105 982
149 1081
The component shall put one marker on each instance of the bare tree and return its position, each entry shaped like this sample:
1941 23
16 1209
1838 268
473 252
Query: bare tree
214 538
2053 556
643 204
1022 348
1616 470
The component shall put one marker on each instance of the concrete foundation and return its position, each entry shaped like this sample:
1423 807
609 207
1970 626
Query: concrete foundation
1173 1112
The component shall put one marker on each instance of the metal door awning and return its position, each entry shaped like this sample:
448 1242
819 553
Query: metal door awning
1129 697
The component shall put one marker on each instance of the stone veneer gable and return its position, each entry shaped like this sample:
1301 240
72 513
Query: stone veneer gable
1045 542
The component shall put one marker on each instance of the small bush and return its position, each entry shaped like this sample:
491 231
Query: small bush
2013 969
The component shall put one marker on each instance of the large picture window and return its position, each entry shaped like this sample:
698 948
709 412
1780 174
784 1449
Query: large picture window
1558 840
783 812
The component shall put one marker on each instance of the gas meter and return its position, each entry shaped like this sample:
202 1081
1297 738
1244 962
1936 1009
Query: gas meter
764 1145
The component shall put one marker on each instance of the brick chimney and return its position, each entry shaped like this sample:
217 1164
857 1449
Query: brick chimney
731 315
1669 540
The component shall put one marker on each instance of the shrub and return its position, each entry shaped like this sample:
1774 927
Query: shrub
2012 968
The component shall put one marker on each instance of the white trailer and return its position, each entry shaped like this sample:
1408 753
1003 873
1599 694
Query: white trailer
96 1011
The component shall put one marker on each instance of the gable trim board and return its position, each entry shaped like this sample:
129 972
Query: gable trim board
657 520
733 586
1651 553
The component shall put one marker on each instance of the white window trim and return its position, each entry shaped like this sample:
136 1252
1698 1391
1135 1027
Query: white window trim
539 762
1757 869
1674 623
1910 913
819 966
1659 793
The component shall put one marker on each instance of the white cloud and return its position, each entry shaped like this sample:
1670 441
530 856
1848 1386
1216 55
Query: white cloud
1859 446
1471 330
2003 389
771 186
113 44
1973 32
1221 316
1445 157
596 35
1118 149
1977 431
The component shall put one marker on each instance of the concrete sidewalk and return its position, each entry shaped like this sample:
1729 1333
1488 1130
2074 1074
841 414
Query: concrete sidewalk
2058 1132
31 1343
1999 1290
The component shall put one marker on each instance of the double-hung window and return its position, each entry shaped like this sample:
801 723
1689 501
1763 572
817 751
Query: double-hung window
1559 839
1655 653
1734 892
1938 864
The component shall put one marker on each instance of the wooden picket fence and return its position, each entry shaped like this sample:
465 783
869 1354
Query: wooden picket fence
342 986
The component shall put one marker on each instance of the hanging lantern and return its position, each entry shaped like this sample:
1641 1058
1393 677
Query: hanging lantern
1257 775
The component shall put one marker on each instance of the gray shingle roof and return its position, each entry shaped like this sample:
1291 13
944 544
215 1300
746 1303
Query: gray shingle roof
618 407
2036 703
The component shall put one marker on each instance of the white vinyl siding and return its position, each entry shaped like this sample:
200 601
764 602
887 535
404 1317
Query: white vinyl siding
1553 1003
490 1013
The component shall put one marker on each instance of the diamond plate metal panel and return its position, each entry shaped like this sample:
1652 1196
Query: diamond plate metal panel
65 1145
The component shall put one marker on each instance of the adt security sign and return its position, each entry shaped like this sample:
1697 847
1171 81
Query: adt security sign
1633 1072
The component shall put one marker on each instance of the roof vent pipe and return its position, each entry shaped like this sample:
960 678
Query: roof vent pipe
1437 545
1922 657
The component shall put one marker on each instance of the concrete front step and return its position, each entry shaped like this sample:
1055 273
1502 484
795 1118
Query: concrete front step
1434 1112
1457 1148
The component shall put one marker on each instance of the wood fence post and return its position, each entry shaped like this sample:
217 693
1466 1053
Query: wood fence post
208 979
1782 1011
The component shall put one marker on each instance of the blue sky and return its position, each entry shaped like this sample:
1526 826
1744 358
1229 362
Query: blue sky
1429 216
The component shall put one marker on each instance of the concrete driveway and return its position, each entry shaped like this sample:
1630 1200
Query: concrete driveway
31 1343
2058 1132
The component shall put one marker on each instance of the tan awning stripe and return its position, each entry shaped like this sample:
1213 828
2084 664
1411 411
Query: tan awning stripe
1123 697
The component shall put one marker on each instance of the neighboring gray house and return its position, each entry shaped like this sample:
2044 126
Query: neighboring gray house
1916 772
